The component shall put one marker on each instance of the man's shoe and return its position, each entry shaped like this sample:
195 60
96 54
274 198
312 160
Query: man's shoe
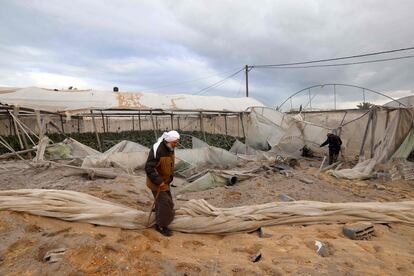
164 230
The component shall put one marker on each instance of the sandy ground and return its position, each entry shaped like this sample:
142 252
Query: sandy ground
96 250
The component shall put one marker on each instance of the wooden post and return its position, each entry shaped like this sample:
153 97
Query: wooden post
246 68
11 129
387 118
61 123
16 129
139 120
153 125
365 134
242 125
103 122
340 125
7 155
96 131
108 125
6 145
26 145
320 168
202 126
39 124
78 124
178 122
373 127
56 127
225 122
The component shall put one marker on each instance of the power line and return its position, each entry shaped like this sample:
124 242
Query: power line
333 59
187 81
218 83
338 64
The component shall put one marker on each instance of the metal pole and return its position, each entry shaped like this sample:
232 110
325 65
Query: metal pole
247 80
39 123
310 99
361 150
139 120
202 126
242 125
107 123
96 131
133 123
153 126
373 127
172 121
334 96
11 128
16 130
225 122
61 123
178 122
103 121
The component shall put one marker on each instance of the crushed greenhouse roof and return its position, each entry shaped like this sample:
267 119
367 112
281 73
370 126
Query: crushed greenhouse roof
408 101
75 101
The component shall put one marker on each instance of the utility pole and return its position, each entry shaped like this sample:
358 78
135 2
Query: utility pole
247 80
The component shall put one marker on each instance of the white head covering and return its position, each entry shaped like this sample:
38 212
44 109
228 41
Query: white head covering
169 136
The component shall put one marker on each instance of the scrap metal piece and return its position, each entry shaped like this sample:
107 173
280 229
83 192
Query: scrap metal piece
322 249
54 255
359 230
263 234
285 198
255 258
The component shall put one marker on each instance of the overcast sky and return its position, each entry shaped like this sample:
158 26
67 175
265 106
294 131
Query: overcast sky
185 46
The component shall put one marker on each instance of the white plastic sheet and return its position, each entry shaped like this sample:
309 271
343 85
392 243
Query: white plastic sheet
197 216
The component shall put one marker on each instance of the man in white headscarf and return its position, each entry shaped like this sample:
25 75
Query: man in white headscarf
160 170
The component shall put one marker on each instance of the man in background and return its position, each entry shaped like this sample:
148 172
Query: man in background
335 143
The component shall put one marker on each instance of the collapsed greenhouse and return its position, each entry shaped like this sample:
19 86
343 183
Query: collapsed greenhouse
255 175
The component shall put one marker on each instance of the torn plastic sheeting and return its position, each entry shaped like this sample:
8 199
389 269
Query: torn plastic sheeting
126 155
240 174
128 161
197 216
267 126
207 181
198 144
406 147
361 171
215 178
241 148
399 127
69 148
207 157
127 146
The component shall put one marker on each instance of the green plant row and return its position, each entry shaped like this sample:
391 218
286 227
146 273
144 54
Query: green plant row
146 138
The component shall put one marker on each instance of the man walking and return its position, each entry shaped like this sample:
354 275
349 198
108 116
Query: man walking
335 143
160 169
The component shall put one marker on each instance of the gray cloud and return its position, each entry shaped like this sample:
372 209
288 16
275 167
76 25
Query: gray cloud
142 45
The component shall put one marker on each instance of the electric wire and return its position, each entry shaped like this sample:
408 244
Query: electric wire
218 83
334 59
187 81
338 64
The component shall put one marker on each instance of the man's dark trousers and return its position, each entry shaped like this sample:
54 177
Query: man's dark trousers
333 156
164 208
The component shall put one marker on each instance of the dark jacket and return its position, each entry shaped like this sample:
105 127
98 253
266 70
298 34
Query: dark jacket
161 168
334 142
